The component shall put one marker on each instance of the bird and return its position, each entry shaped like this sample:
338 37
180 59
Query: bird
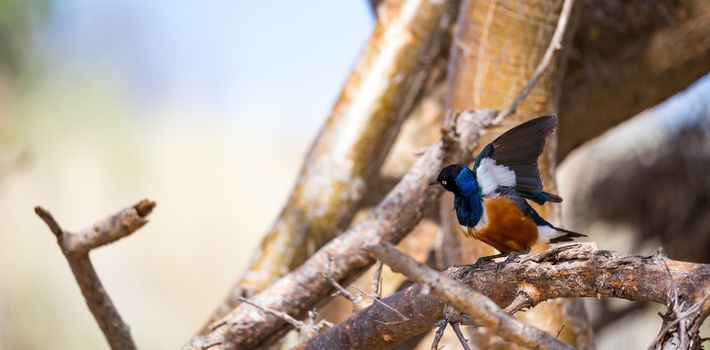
490 199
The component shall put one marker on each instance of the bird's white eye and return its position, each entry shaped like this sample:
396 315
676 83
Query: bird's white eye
443 182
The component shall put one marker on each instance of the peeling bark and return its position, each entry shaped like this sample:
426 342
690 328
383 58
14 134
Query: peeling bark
573 271
382 89
76 248
344 257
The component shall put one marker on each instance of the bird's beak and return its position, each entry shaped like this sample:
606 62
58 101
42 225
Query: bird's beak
433 182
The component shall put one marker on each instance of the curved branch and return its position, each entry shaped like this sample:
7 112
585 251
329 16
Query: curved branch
305 287
76 248
572 271
383 88
482 309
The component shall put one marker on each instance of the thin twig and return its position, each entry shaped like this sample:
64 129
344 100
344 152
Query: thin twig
377 280
282 315
76 248
581 270
555 44
697 307
50 221
401 315
356 300
560 331
210 345
676 306
440 328
459 334
466 300
521 301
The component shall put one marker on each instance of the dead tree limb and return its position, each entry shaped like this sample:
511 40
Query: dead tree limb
573 271
305 287
76 248
382 90
629 56
482 309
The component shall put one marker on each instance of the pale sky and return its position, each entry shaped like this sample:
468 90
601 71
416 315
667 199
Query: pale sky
282 61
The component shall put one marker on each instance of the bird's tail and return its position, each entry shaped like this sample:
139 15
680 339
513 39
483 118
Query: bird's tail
569 236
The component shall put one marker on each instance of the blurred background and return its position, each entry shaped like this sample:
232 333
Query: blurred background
208 108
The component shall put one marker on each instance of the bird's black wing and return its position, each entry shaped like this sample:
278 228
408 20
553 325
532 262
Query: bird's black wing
518 149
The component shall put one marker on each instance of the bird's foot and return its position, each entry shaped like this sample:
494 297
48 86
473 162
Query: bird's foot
488 259
510 258
513 256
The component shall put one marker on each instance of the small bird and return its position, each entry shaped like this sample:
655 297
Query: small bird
491 200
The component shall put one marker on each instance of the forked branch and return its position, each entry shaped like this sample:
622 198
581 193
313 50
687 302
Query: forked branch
576 270
76 248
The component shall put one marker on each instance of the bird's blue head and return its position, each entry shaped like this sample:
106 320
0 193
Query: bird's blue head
458 179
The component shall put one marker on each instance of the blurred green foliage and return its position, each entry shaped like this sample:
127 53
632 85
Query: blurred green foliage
18 19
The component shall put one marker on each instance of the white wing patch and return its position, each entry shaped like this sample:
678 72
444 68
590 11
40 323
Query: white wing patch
546 233
490 175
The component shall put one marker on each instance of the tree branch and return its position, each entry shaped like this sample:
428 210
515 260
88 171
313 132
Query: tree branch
555 45
572 271
383 88
305 287
466 300
76 248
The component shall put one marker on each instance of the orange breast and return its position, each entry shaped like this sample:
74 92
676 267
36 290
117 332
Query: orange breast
506 228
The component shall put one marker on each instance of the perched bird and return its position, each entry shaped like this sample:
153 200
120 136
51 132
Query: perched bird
490 200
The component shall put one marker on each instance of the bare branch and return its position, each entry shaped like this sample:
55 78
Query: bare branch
466 300
440 328
555 45
577 270
377 280
459 334
76 248
282 315
356 300
399 212
521 301
679 318
307 329
384 87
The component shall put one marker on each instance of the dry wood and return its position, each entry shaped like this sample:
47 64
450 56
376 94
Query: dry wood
577 270
76 248
500 48
305 287
382 90
482 309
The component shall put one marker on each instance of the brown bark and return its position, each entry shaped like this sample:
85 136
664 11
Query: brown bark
496 49
630 56
382 89
305 287
650 175
76 248
483 310
573 271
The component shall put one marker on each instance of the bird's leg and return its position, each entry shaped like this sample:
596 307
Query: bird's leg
512 256
486 259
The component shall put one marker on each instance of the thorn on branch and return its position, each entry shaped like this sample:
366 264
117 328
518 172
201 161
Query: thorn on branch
377 280
679 317
356 300
307 329
560 331
210 345
522 301
144 207
47 217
